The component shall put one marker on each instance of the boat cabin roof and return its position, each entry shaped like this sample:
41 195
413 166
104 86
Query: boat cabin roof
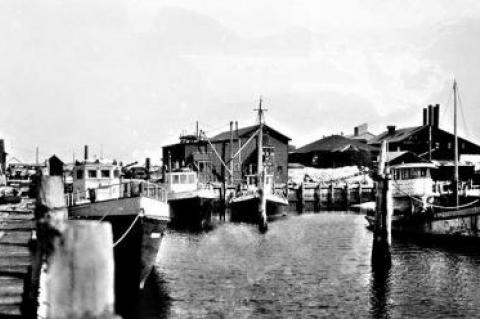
414 165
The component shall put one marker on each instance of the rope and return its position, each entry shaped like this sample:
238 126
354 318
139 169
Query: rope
127 231
433 205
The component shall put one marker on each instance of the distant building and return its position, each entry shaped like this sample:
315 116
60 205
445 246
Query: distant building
334 151
196 152
361 133
425 140
428 141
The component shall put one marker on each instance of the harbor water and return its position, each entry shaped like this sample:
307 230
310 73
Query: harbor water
308 266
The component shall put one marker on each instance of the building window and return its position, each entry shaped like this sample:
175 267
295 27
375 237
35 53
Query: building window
463 146
79 174
449 145
92 173
437 144
105 173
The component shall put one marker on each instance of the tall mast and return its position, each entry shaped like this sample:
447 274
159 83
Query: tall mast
455 177
260 144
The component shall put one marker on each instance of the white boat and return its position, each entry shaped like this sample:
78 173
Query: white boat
137 210
191 202
258 202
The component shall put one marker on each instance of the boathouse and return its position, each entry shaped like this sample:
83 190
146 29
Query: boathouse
334 151
209 156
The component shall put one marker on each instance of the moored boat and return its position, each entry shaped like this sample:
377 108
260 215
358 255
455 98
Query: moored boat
257 202
191 202
137 210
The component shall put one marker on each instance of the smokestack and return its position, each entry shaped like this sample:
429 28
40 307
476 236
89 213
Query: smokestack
147 166
355 131
85 152
430 115
425 116
236 130
436 115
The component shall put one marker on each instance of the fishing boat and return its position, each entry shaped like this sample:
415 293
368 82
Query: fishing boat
257 202
448 216
191 202
137 210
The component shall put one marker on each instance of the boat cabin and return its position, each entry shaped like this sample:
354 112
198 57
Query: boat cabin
104 177
411 171
252 181
412 179
181 181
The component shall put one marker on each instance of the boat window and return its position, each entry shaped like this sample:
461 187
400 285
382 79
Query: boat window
80 174
92 173
413 173
176 179
191 179
423 172
116 173
404 173
105 173
183 179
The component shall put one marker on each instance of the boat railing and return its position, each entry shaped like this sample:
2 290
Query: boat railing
124 189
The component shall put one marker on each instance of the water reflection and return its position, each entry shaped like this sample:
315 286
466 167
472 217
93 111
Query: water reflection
155 301
380 292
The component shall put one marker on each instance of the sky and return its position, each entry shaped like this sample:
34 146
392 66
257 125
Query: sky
129 76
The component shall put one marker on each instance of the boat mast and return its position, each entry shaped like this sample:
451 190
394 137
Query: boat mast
260 145
455 177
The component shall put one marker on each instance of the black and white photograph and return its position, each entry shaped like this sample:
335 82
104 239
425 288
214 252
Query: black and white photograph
164 159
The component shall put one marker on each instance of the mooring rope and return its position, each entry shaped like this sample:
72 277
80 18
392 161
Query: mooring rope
433 205
127 231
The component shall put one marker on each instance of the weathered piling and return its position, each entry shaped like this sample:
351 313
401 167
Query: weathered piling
382 237
79 281
72 267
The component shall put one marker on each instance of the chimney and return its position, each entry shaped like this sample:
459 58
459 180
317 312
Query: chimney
430 115
236 129
436 115
85 152
355 131
425 116
391 129
147 166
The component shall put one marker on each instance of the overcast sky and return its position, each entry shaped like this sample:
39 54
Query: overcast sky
131 75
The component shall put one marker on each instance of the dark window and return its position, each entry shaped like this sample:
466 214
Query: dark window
79 174
116 173
176 179
105 173
279 170
183 179
92 173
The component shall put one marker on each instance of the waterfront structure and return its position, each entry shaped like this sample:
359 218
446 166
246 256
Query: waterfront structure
211 157
334 151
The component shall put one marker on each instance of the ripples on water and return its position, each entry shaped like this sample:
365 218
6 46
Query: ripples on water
308 266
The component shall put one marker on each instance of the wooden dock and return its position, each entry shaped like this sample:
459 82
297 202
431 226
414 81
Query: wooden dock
16 228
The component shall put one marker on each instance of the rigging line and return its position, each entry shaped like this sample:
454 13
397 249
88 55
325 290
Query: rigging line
466 128
127 231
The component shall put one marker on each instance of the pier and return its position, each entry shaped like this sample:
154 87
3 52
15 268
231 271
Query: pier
16 228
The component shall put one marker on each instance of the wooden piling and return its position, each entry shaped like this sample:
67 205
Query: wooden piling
72 264
79 281
317 195
347 196
382 238
331 196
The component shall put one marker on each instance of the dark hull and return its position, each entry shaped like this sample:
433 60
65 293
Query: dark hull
248 211
191 213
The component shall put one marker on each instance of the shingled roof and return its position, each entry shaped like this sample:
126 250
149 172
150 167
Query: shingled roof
398 136
246 131
335 143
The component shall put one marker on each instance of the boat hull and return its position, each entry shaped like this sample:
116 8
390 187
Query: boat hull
247 209
462 224
191 212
